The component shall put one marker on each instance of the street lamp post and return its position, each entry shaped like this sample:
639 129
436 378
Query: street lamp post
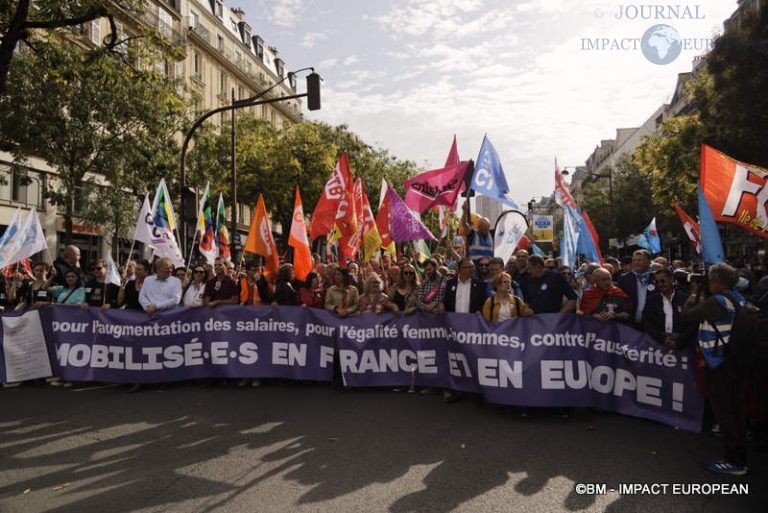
610 191
313 103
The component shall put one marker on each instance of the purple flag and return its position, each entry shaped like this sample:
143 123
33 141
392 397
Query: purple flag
405 225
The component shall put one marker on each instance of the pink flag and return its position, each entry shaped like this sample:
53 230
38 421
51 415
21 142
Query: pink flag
453 154
405 224
435 187
562 194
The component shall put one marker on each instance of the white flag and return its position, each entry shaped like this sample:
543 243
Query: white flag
143 231
112 275
23 240
163 240
510 228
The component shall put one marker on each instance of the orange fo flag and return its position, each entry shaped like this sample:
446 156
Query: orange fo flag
297 239
324 215
736 192
260 240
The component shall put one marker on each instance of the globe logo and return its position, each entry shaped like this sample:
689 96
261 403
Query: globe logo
661 44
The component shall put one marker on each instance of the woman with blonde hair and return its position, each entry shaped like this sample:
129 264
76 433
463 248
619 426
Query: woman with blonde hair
373 299
504 304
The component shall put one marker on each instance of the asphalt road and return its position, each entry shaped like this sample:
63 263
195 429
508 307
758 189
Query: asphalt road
292 447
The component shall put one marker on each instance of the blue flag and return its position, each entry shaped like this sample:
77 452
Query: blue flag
650 239
569 244
711 245
489 179
584 244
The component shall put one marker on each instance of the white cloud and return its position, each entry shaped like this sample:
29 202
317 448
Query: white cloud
312 38
408 74
286 13
328 63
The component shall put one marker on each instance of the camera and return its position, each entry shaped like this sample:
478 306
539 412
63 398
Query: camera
697 278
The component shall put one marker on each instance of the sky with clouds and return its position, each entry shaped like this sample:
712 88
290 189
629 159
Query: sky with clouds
407 75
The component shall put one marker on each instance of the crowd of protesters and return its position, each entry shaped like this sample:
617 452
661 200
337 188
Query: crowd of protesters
666 300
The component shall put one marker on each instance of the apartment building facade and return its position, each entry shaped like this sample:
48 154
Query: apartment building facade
217 54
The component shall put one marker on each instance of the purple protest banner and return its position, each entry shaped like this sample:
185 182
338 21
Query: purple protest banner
565 360
377 350
547 360
223 342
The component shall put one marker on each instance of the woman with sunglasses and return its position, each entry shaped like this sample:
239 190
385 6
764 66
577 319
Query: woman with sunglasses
192 294
405 292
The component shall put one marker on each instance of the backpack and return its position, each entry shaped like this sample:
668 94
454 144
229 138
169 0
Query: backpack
748 345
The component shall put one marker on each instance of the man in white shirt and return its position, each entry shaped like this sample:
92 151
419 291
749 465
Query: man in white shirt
161 290
464 293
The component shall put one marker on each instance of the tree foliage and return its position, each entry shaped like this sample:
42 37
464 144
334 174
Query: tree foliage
98 122
621 210
731 95
272 162
19 19
670 160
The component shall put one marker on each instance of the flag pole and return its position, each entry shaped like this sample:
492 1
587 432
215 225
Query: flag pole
130 255
194 238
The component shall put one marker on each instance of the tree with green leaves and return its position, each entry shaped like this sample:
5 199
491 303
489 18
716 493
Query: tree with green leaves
670 160
106 127
272 162
628 211
731 94
21 19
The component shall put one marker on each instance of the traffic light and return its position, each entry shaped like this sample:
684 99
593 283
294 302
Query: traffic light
313 91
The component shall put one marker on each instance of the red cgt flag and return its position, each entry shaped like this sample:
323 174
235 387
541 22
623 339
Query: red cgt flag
324 215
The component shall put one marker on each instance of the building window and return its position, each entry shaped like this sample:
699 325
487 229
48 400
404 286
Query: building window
221 45
21 186
197 65
194 19
219 8
164 22
223 84
96 31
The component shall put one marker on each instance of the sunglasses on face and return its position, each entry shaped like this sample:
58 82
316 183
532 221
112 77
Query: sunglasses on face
199 271
407 273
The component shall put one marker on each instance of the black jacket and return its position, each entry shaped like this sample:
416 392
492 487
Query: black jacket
653 318
477 295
